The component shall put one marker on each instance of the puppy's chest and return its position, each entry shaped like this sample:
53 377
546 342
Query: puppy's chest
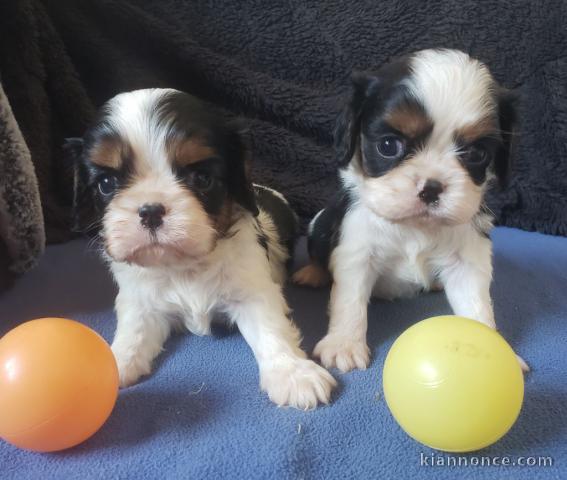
406 265
407 260
180 295
195 299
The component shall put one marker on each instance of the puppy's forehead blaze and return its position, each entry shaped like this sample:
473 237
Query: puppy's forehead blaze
410 119
192 150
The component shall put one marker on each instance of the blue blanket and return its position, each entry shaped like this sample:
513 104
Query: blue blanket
201 415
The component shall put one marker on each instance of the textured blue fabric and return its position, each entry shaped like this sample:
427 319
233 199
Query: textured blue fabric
200 414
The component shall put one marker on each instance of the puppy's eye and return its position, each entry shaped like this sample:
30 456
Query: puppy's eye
477 156
107 184
203 181
390 146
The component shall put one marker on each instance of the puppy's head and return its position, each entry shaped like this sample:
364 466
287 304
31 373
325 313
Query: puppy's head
162 175
420 138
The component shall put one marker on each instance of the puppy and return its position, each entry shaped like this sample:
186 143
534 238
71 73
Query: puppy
417 145
187 235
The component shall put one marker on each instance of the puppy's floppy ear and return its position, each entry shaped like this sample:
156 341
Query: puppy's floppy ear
82 211
507 118
239 184
347 128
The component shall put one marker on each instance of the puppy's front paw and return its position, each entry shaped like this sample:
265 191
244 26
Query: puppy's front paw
342 352
130 369
298 383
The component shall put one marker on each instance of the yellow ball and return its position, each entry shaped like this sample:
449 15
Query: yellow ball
453 384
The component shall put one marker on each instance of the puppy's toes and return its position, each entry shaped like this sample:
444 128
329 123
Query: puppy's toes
311 276
298 383
130 370
343 353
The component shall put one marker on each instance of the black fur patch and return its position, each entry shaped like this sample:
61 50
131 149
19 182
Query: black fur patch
507 119
478 156
188 118
324 234
376 97
368 93
211 196
281 214
374 127
88 201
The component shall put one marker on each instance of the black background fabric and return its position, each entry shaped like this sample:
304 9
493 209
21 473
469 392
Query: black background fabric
285 67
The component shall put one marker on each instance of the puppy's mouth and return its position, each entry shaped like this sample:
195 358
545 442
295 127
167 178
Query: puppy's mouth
427 211
425 214
419 210
154 253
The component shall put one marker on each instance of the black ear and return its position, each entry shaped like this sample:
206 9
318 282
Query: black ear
347 128
82 211
73 150
239 184
507 117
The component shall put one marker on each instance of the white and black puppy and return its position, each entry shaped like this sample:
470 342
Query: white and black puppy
187 235
417 144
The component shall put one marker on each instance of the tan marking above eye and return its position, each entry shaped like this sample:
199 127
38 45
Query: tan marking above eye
483 128
107 153
192 151
410 121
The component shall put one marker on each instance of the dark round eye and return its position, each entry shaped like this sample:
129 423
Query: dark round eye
477 156
202 181
390 146
107 184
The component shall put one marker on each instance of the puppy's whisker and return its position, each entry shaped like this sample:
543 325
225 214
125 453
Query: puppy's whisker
95 244
487 209
96 224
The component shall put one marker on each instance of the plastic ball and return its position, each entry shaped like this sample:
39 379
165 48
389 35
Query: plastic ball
58 384
453 384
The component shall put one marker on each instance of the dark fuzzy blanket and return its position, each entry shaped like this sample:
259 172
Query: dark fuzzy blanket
22 237
284 66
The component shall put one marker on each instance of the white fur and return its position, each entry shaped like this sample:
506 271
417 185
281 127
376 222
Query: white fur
456 90
132 114
391 260
237 279
182 274
394 245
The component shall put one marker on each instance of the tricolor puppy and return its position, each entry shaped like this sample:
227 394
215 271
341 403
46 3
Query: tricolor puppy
417 145
187 235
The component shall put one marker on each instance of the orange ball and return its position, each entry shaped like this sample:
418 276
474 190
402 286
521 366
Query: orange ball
58 384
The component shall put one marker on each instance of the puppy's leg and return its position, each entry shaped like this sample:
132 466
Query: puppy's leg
140 334
345 346
468 290
467 285
286 374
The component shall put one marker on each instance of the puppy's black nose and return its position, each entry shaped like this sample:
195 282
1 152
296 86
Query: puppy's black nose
151 215
431 191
